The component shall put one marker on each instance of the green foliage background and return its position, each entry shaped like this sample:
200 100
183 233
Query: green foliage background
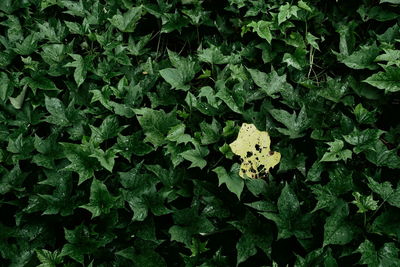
115 120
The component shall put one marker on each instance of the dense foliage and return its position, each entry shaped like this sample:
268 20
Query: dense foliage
116 118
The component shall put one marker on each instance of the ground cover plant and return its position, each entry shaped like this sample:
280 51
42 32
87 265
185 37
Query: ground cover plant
119 131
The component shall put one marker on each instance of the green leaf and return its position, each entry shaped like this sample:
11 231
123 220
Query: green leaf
289 220
5 86
312 40
106 158
83 241
48 258
380 155
232 179
386 192
255 235
80 68
391 56
295 124
336 152
387 224
304 5
297 59
188 222
288 204
262 28
337 231
38 81
108 129
196 156
210 133
385 256
101 201
245 248
18 101
396 2
362 59
363 116
213 55
364 139
388 80
156 124
173 22
57 112
176 78
133 144
184 71
225 95
80 159
334 90
127 22
12 180
177 134
270 83
364 203
28 45
284 13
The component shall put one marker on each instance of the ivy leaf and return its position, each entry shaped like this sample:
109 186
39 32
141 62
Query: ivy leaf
288 204
82 241
101 201
48 258
80 159
108 129
289 220
188 222
225 95
284 13
396 2
5 86
232 180
106 158
385 256
176 78
312 40
295 124
364 139
385 191
210 133
184 71
255 235
364 116
253 146
80 68
156 124
380 155
361 59
391 56
388 80
270 83
336 152
334 90
364 203
177 134
337 231
387 224
213 55
57 110
196 156
18 101
262 28
127 22
297 59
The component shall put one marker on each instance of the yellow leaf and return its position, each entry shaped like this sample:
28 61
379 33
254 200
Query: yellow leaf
253 146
